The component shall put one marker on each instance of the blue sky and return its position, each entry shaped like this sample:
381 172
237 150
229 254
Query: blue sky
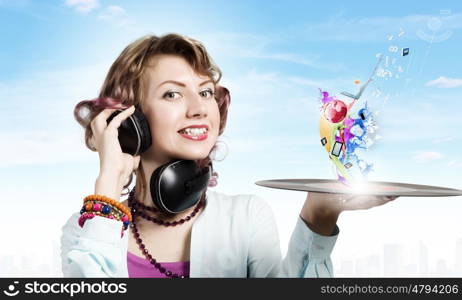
274 55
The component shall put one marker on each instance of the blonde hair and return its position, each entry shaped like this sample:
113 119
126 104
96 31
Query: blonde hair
127 80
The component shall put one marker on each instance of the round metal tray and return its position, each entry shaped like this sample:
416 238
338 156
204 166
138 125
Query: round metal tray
374 188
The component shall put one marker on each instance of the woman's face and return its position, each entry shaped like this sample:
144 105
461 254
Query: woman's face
181 109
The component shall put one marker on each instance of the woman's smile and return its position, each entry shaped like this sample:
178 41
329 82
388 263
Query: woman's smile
195 132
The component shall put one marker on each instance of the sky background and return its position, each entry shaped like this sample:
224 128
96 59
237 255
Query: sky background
275 56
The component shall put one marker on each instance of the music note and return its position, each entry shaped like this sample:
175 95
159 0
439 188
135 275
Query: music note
376 93
393 49
384 73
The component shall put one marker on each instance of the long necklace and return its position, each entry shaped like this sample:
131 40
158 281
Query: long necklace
138 209
149 257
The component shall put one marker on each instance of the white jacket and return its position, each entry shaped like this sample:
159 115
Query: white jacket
234 236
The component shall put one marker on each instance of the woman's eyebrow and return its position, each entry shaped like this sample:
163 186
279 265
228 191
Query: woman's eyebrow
172 81
205 82
182 84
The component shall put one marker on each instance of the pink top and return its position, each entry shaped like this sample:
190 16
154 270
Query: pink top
139 267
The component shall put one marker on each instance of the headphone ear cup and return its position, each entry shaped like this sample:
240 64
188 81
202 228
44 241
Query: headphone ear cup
143 129
128 134
154 183
134 133
178 185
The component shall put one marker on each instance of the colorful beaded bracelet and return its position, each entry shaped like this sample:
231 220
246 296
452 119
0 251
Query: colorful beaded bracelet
110 213
111 202
85 216
107 211
89 215
96 206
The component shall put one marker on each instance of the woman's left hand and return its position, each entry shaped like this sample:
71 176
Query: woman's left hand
321 210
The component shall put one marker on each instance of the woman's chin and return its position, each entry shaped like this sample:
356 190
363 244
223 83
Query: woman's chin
194 156
195 152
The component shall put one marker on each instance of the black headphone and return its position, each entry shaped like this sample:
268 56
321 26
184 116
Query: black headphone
175 186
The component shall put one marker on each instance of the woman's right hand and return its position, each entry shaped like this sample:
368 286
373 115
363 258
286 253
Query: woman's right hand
115 166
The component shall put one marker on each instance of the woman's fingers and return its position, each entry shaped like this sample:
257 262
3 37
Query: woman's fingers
117 120
99 122
356 202
381 200
344 202
390 198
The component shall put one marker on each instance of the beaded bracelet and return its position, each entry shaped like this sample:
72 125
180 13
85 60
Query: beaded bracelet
105 207
103 211
102 207
90 214
111 202
85 216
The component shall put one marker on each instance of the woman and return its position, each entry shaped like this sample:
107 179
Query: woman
174 82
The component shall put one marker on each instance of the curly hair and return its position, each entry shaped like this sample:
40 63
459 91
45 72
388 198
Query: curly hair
127 81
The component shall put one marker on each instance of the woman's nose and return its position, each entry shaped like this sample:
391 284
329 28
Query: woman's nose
196 107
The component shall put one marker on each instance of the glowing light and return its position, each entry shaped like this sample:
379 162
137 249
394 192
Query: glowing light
360 187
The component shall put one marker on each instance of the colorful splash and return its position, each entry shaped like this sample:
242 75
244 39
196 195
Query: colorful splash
344 131
347 126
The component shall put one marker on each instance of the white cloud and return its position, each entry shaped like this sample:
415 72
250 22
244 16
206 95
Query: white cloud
115 14
427 156
83 6
443 140
112 12
455 164
445 83
38 147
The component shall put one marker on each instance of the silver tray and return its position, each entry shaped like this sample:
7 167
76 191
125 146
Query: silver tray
373 188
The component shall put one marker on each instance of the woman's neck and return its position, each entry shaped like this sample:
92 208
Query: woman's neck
148 167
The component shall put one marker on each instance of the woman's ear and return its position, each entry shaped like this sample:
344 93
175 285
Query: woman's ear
223 99
222 96
92 143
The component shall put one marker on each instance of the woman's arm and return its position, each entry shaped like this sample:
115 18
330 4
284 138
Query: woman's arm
96 250
115 166
320 216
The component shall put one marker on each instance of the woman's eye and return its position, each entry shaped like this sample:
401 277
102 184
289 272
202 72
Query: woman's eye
208 93
171 95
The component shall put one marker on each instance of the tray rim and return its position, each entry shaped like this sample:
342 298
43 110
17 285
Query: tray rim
438 191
